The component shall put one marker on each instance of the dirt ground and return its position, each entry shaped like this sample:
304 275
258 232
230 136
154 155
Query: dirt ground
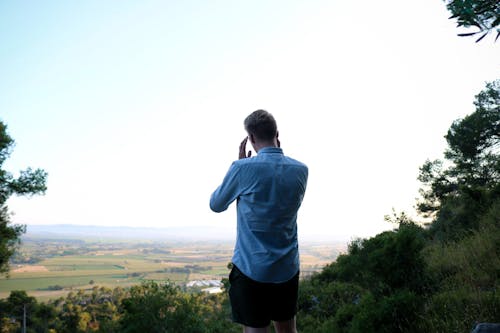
30 269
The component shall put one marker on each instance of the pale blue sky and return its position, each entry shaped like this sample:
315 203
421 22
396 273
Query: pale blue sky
135 108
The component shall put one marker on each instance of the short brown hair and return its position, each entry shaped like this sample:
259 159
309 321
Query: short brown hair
262 125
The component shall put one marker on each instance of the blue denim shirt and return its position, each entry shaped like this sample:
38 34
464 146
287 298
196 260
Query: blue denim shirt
269 189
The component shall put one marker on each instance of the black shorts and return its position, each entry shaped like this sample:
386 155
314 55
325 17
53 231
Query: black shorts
256 304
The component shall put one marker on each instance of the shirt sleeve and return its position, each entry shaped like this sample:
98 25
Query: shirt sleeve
227 192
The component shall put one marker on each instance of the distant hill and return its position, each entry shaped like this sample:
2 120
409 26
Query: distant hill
71 231
189 233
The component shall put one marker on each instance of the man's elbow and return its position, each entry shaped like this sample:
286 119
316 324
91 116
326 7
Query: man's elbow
216 208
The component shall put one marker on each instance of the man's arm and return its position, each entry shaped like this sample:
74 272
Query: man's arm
227 192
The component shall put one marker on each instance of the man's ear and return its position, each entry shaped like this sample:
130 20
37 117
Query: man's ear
252 138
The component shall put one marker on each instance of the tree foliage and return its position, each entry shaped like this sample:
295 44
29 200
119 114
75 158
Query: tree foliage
29 182
482 15
377 286
456 195
161 308
148 307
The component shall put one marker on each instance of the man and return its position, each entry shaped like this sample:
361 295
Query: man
268 189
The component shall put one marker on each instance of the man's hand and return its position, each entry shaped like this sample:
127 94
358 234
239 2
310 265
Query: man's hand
243 146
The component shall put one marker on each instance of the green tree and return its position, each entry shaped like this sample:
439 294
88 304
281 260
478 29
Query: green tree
44 317
483 15
72 317
382 264
473 141
15 305
29 182
378 286
153 308
456 196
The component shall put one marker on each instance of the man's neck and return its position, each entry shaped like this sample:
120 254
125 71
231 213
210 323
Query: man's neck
258 146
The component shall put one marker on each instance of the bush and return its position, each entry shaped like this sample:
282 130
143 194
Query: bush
55 287
458 310
387 262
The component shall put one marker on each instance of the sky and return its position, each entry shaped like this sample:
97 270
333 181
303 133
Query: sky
135 108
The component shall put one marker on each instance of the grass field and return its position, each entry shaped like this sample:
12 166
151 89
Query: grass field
128 264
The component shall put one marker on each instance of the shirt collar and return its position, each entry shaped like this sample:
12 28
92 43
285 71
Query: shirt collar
270 150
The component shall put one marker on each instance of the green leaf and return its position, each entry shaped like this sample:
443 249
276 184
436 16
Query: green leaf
467 34
480 38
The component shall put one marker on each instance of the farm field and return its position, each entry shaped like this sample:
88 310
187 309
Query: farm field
49 269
